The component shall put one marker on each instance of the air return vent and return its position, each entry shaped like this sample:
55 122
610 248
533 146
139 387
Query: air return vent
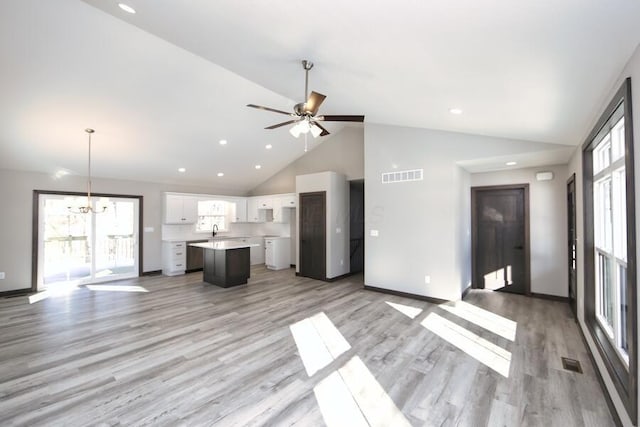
402 176
571 365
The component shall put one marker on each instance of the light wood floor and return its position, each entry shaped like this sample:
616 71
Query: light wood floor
186 353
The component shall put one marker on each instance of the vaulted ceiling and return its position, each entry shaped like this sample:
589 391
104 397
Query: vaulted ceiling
164 85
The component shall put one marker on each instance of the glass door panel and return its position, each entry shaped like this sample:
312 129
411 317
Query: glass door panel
66 242
86 248
116 232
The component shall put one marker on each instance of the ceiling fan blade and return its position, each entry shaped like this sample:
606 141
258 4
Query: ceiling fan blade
313 103
324 131
282 124
341 118
273 110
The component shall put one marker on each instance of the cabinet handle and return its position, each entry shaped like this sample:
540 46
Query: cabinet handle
178 265
178 253
179 246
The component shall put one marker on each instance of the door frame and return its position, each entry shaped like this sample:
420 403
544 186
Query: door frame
300 233
572 303
35 227
474 232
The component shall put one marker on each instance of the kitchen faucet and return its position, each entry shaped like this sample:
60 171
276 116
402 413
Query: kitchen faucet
215 230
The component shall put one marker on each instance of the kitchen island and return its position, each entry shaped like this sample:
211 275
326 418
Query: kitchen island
226 262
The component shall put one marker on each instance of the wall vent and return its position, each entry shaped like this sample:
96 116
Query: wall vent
402 176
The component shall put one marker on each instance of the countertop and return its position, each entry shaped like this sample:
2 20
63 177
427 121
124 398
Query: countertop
223 245
222 238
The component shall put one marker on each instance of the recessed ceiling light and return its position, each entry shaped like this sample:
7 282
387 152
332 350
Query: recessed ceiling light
220 174
456 111
223 142
511 163
258 166
182 170
268 146
61 173
126 8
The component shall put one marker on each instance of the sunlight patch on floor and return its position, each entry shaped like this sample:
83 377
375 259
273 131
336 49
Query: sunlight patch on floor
407 310
38 297
116 288
492 322
352 392
336 403
319 342
483 351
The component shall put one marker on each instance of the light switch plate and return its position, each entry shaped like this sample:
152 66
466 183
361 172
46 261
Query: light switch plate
338 230
1 275
373 233
148 229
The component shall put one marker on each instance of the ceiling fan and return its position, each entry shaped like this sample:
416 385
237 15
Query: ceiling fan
305 113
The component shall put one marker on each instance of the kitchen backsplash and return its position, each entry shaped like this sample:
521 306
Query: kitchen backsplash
187 231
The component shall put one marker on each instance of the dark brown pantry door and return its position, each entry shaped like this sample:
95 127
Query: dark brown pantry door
571 243
501 238
312 235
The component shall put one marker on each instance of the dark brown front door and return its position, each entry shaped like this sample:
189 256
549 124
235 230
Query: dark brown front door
571 243
312 235
501 238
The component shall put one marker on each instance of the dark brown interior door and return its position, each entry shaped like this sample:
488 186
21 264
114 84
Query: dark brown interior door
312 235
571 243
500 234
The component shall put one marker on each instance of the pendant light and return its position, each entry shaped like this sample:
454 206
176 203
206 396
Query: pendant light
88 208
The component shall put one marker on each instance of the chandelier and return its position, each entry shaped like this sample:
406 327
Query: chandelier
88 208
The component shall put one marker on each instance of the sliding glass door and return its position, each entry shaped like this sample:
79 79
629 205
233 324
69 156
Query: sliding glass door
78 248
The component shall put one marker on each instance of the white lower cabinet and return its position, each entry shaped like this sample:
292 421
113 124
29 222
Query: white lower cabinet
174 258
256 253
277 253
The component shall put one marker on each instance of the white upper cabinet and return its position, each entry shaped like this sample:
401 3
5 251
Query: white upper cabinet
238 209
180 209
265 202
289 200
253 213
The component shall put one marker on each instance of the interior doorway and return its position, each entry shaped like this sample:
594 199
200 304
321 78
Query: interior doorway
72 248
356 225
500 238
571 244
313 225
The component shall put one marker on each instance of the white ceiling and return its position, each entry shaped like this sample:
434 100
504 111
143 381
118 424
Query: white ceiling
162 91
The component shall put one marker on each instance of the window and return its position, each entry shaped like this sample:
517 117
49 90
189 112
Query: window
609 213
212 212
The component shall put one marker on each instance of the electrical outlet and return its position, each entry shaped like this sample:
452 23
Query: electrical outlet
427 279
1 275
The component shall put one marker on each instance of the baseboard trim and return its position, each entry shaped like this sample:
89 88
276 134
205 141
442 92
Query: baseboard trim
326 279
152 273
15 293
549 297
607 396
466 292
405 294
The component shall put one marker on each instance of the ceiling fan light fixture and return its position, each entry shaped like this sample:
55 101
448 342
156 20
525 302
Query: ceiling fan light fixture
295 130
315 130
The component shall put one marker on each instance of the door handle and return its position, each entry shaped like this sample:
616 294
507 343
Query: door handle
518 247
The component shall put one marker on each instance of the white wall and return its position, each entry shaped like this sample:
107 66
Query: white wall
547 224
16 193
423 226
632 69
337 218
342 153
463 230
